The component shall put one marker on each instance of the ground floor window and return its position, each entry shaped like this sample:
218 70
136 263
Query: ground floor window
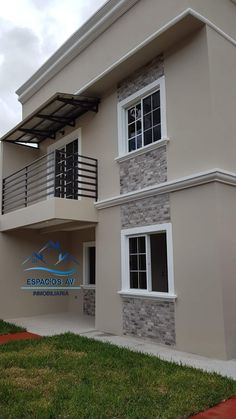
89 264
147 259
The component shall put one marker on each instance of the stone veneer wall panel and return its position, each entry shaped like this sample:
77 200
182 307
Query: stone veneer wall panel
141 78
89 302
144 170
149 318
146 211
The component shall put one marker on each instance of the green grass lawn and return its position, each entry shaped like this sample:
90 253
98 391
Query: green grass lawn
6 328
70 376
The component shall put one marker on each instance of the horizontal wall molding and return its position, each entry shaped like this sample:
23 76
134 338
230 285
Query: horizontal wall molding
202 178
95 26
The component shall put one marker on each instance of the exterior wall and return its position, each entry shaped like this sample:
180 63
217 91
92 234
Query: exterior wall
141 78
147 169
89 302
226 199
14 302
108 264
197 271
144 317
148 318
146 211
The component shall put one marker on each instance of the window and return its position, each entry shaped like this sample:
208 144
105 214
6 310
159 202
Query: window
142 118
144 122
147 260
89 264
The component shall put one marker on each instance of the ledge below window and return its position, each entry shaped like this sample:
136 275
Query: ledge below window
88 287
151 295
143 150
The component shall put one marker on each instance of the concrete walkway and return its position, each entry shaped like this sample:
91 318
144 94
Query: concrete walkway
54 324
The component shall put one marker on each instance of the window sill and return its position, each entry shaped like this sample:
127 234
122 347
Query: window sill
151 295
143 150
88 287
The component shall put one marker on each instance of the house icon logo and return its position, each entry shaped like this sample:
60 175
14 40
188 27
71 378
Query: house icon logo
51 259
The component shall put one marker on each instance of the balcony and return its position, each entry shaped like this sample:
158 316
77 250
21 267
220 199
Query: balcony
57 186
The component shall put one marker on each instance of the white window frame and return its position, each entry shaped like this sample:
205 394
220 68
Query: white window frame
125 104
86 246
125 277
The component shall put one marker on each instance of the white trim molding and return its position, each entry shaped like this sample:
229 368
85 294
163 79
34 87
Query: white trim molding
144 295
146 230
197 179
143 150
123 105
94 27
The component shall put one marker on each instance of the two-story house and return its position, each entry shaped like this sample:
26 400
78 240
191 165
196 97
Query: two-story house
133 172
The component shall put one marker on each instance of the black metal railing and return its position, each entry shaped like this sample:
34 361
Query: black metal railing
57 174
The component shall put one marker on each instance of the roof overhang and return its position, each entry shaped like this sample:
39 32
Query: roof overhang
59 111
166 36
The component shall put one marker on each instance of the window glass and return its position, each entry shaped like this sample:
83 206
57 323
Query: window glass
154 275
144 122
137 262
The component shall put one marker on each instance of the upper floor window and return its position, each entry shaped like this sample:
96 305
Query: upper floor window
142 118
144 122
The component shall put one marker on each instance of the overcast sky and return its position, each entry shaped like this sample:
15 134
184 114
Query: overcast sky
30 31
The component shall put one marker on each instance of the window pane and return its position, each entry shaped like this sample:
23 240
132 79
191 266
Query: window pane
133 279
157 133
133 262
131 130
133 245
139 141
148 137
147 121
157 116
132 145
138 110
141 245
142 262
159 262
147 105
142 280
156 100
139 127
131 115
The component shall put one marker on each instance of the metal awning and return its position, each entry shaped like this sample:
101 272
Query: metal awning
60 110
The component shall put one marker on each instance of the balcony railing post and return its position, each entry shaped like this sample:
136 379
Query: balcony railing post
26 185
3 195
96 182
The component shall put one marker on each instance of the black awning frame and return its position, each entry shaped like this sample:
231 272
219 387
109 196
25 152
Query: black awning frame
44 125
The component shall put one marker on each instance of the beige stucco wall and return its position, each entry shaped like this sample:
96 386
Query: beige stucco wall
14 302
108 268
199 305
226 204
15 248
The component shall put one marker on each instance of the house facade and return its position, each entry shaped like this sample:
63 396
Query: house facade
133 173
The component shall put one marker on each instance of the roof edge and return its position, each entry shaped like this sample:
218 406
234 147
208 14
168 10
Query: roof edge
77 42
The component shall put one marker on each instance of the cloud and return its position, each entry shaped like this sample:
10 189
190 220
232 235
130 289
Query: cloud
30 31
